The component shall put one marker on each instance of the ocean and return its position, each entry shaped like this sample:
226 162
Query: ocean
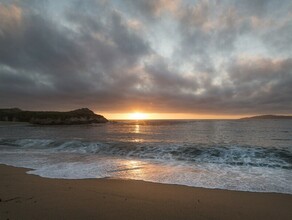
244 155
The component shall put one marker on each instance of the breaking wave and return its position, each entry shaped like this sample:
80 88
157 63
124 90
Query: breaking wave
233 155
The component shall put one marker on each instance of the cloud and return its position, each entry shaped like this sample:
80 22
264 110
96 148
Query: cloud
279 38
210 26
154 8
10 15
261 84
216 57
83 61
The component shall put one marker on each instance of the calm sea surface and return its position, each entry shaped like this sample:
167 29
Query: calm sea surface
247 155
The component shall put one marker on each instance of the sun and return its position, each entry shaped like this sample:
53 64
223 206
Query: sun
137 116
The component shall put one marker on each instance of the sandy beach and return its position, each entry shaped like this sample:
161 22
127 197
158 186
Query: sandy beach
25 196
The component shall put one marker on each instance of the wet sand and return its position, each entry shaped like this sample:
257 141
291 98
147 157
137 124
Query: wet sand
24 196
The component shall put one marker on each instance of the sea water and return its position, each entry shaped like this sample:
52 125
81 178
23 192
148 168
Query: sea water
245 155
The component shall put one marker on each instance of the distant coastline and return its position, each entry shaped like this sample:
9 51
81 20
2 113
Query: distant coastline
267 117
79 116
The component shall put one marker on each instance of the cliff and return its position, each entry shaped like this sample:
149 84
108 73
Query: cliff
79 116
268 117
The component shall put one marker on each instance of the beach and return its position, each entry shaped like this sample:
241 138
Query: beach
145 109
25 196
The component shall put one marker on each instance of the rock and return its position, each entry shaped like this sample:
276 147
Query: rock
79 116
268 117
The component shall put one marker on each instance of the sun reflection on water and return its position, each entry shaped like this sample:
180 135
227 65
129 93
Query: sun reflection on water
132 169
136 140
137 129
143 170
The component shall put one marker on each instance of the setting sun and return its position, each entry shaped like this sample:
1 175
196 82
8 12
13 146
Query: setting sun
137 116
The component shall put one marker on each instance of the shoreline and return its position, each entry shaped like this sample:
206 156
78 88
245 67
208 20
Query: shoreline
26 170
27 196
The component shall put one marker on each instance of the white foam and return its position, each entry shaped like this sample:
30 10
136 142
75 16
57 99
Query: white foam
80 166
198 153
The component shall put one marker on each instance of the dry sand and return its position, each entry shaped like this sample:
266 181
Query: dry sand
25 196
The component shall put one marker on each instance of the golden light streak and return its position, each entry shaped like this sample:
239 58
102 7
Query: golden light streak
164 116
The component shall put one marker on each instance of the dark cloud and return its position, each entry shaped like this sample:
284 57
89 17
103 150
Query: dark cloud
262 81
163 76
262 7
280 38
263 84
210 27
113 56
88 61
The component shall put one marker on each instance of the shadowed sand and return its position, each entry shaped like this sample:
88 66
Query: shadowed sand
25 196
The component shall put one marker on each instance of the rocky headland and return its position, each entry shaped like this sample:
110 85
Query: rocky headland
79 116
268 117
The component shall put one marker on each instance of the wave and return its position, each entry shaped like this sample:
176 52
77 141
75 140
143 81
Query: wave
233 155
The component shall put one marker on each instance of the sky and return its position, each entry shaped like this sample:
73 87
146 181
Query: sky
164 58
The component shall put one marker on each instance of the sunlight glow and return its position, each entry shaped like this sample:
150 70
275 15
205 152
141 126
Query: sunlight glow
164 116
137 129
137 116
134 169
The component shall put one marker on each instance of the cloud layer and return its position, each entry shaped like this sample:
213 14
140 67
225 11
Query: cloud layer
203 57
